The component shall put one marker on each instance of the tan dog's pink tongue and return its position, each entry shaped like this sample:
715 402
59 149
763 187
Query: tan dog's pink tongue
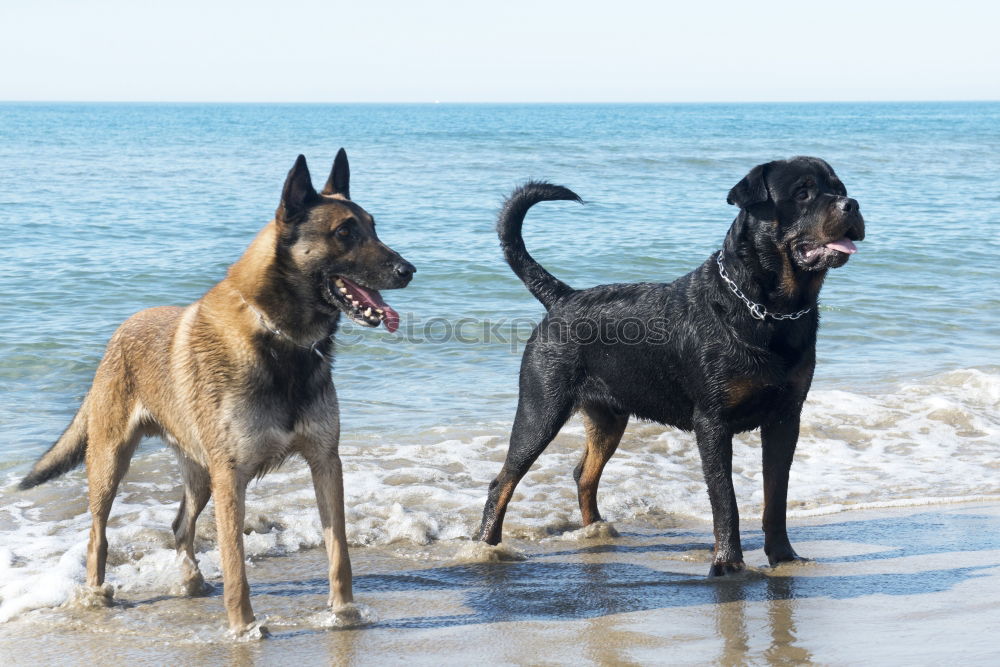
390 318
372 299
843 245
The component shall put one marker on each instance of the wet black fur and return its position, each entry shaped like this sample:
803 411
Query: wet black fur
703 347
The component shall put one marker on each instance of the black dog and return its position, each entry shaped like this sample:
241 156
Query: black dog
727 348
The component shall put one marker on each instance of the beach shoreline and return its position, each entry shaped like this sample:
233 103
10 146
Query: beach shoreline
913 585
902 417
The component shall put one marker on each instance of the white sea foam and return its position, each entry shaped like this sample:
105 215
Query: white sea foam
350 615
935 441
480 552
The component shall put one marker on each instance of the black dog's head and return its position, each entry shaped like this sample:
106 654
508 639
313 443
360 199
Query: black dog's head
800 209
331 243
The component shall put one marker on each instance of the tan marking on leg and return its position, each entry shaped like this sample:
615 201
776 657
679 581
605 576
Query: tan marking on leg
739 390
493 522
506 493
604 432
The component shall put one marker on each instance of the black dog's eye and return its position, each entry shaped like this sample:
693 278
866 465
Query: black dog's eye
802 195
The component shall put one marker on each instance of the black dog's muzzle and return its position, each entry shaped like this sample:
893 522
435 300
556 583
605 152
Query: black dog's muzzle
846 220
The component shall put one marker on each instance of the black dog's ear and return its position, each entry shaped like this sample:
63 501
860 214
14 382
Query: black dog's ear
339 182
298 194
752 189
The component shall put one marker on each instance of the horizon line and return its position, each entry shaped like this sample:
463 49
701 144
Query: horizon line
507 102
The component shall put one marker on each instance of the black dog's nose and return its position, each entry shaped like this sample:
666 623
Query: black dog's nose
848 205
404 269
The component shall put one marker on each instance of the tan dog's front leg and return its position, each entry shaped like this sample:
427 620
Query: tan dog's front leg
328 479
229 489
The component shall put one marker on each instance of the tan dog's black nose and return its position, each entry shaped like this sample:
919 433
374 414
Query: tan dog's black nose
404 270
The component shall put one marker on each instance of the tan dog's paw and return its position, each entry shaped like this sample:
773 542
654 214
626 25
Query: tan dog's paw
348 615
193 586
251 632
94 597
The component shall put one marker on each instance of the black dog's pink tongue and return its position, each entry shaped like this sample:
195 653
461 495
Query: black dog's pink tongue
843 245
372 299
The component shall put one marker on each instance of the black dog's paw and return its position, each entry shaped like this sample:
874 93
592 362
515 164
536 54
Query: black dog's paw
783 555
788 558
724 569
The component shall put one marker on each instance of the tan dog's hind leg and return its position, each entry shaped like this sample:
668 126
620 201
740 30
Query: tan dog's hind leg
229 489
112 438
328 480
197 490
604 432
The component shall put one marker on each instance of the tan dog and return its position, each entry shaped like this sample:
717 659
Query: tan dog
240 380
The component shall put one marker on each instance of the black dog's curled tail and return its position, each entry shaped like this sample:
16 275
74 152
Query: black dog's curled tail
543 285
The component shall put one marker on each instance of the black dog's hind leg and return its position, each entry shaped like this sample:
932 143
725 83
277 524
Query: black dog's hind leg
539 418
604 431
715 443
778 440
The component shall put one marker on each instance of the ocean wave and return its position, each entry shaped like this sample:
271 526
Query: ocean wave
921 442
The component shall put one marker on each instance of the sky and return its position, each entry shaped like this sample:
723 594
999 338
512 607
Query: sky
512 51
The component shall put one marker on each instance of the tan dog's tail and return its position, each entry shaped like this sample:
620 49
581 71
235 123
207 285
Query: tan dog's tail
66 454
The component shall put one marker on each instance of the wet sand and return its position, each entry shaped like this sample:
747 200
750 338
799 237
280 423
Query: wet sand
916 585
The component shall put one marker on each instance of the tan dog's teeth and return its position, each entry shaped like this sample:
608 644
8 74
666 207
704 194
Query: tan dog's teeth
355 303
379 311
343 290
368 312
340 283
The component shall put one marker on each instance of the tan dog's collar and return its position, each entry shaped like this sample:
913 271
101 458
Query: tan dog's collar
281 334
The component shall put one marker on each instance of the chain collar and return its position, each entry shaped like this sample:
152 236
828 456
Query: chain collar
757 310
281 334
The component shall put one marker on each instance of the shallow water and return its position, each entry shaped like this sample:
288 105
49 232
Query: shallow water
901 586
922 443
114 208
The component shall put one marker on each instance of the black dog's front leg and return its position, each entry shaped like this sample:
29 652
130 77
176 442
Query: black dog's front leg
778 440
715 443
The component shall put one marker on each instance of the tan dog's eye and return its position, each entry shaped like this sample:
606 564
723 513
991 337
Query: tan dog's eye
343 232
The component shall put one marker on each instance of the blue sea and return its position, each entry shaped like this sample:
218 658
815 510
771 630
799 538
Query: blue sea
111 208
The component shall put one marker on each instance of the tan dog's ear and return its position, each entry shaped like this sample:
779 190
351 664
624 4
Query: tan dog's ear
298 194
752 189
339 182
